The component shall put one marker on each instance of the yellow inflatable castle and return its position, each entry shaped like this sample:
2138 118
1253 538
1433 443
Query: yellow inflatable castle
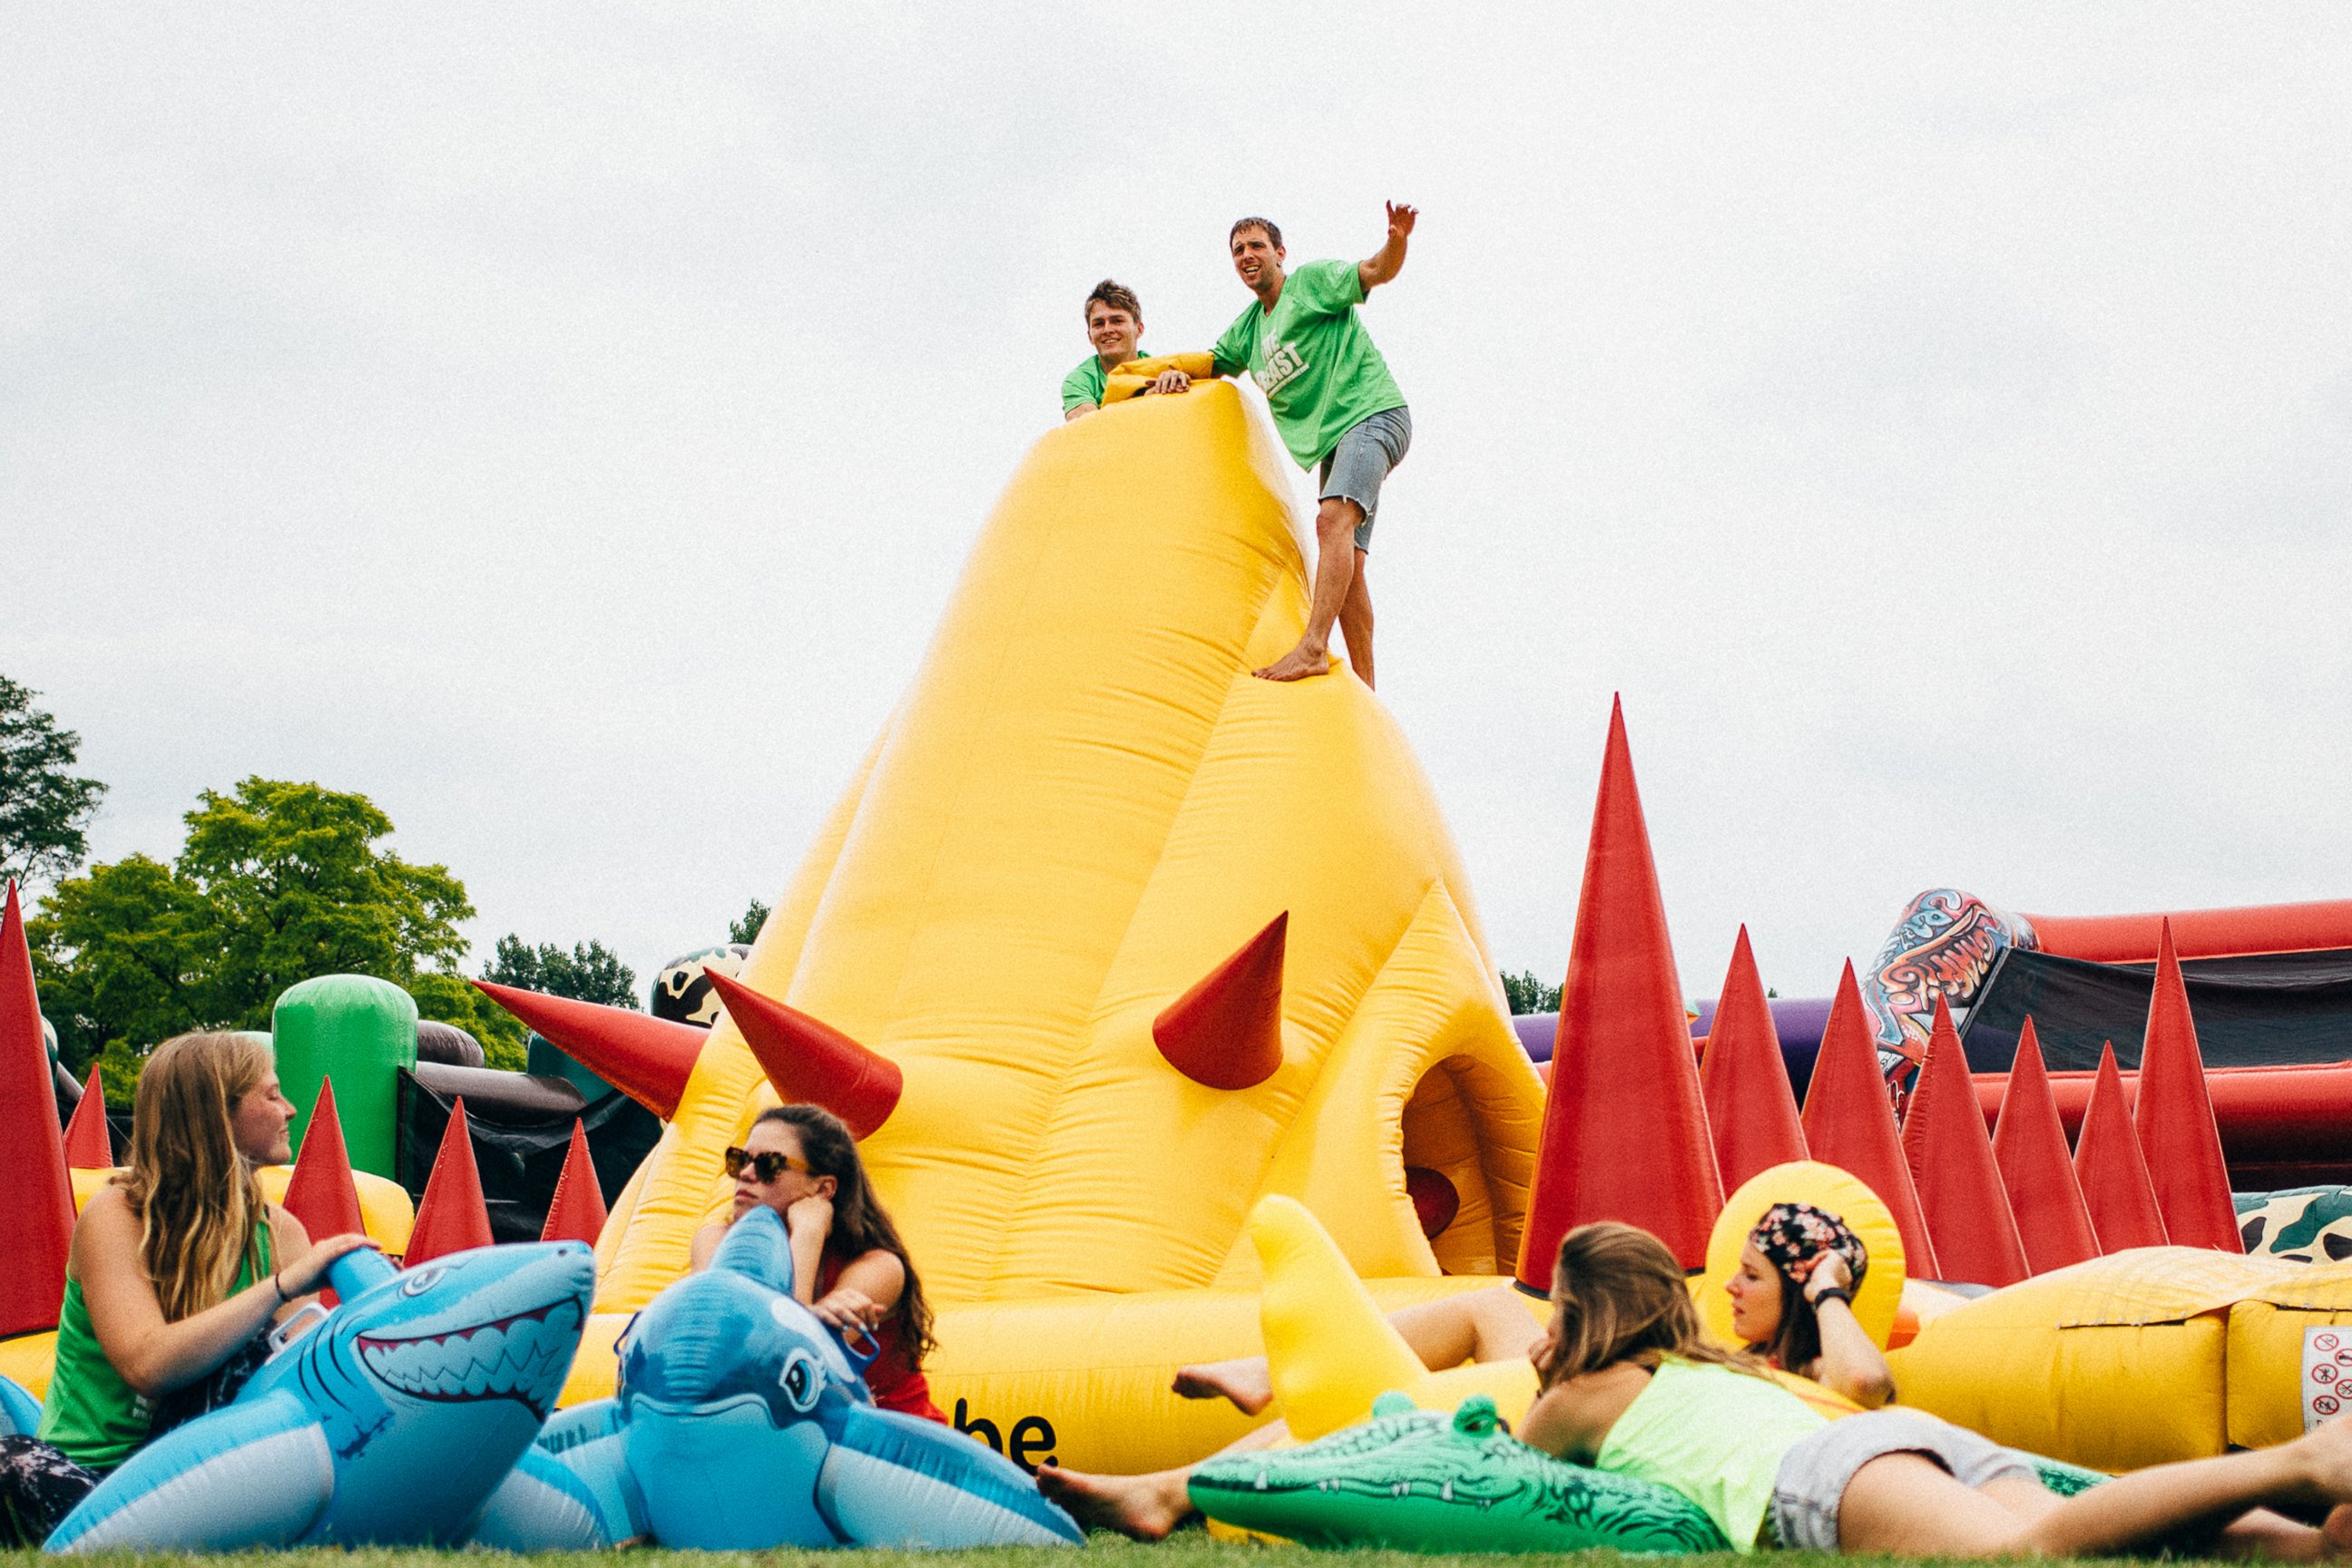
1108 941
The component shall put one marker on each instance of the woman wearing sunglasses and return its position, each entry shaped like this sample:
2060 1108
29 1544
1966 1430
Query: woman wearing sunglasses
848 1264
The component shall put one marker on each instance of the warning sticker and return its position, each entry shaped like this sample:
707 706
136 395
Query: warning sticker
2327 1373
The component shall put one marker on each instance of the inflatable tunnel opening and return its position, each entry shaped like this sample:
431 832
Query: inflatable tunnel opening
1445 1168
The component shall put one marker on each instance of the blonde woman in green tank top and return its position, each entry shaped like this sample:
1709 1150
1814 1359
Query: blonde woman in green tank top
1633 1384
176 1267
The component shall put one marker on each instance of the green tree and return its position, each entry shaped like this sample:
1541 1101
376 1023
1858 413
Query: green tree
1529 995
277 882
43 808
745 930
591 972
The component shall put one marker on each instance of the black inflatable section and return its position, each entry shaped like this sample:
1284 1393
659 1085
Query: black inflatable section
2268 1009
521 1129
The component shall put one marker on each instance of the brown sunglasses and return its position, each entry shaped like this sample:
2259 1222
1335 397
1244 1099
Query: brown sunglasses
765 1167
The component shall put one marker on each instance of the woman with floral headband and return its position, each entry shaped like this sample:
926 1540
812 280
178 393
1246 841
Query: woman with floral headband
1792 1302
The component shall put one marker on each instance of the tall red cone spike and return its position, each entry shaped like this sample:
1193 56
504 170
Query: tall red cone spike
1953 1170
1850 1122
2029 1145
576 1212
1624 1132
809 1060
36 1192
451 1217
2112 1171
1750 1107
89 1143
322 1192
1226 1031
2175 1119
646 1059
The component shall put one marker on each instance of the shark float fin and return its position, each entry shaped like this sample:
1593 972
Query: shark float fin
1226 1031
646 1059
810 1061
757 1247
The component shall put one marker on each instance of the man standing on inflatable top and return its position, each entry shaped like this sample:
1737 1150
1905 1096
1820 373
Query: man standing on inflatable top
1334 403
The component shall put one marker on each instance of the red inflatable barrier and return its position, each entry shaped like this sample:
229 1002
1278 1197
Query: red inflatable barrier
2280 1126
2197 934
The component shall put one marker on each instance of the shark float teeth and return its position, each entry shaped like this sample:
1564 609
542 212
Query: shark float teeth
523 1358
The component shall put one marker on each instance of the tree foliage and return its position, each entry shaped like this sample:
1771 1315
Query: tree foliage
591 972
747 928
277 882
43 808
1529 995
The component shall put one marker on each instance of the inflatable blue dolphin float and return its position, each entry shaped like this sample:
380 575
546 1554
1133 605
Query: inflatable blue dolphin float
390 1423
741 1423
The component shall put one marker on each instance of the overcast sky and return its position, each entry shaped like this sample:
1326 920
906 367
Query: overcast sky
564 424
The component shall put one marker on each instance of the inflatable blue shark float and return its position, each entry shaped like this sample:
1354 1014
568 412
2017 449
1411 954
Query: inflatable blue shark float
390 1423
740 1423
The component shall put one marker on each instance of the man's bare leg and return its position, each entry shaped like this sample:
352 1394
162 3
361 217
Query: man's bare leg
1335 568
1356 622
1480 1326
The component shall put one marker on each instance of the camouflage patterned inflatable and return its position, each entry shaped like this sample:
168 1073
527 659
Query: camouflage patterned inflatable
2309 1224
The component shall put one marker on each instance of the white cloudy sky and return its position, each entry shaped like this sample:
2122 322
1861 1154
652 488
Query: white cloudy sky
564 423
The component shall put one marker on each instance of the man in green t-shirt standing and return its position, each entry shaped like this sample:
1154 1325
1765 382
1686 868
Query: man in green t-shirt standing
1334 403
1114 325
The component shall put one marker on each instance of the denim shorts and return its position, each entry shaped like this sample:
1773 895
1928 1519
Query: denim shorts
1354 469
1815 1474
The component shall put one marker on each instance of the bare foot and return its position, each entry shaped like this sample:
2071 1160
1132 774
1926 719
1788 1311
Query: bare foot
1308 659
1246 1382
2326 1455
1145 1507
2335 1533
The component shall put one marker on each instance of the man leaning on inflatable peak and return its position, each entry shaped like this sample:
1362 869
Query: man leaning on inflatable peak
1334 403
1114 327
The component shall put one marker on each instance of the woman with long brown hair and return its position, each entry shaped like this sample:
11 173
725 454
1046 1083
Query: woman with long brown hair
177 1270
1632 1385
849 1265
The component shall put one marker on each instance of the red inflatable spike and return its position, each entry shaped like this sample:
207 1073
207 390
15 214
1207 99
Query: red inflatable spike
2112 1171
576 1212
2029 1144
2175 1119
809 1060
1850 1122
36 1192
1226 1032
646 1059
1625 1131
451 1217
322 1192
1750 1107
90 1143
1953 1170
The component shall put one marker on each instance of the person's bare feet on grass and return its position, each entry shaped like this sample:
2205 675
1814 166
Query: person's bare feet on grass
1145 1507
1300 663
1246 1381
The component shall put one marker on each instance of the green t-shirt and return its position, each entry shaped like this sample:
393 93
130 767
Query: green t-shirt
1085 384
1312 358
94 1417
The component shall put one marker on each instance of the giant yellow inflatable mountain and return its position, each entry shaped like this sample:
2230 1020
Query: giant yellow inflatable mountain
1083 805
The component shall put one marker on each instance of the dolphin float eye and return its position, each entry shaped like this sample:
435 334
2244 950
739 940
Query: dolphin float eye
420 1281
800 1380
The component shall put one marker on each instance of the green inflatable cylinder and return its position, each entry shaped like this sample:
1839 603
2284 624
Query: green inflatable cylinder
361 1030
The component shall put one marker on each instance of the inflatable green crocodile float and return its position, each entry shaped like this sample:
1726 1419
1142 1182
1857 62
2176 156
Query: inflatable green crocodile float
1418 1480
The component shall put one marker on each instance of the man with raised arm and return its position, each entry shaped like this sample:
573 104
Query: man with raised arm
1114 323
1334 403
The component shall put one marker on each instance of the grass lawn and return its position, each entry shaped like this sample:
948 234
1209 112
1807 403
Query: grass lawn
1188 1549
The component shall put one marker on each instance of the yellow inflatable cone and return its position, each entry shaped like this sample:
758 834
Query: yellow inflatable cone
1329 1350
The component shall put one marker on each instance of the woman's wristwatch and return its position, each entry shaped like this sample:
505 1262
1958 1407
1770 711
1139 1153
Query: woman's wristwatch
1831 1293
